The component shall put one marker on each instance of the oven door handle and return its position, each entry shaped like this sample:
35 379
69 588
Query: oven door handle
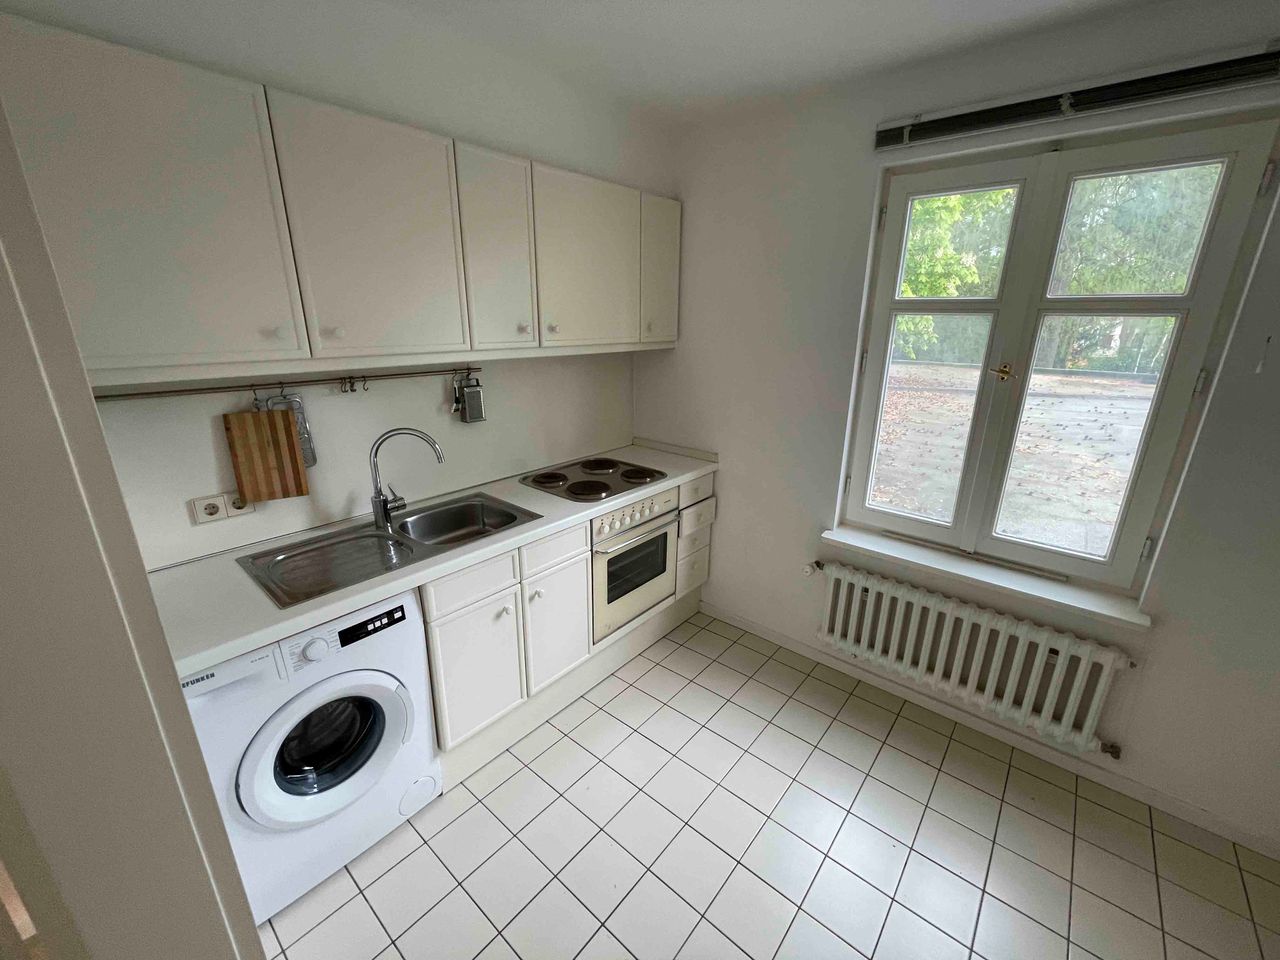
634 540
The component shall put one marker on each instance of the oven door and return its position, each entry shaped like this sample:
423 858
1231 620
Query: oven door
631 573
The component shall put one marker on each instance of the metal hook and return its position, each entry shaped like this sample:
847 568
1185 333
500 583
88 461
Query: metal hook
366 384
257 403
281 385
342 385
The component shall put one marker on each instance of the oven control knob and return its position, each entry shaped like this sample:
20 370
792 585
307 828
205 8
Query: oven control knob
635 515
314 650
616 525
645 511
603 528
626 521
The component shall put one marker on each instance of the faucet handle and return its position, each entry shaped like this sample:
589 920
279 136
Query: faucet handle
395 502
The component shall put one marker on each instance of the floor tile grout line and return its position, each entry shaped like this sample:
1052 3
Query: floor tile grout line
1248 898
792 779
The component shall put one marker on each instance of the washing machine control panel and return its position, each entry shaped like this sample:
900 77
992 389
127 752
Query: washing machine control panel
323 643
358 631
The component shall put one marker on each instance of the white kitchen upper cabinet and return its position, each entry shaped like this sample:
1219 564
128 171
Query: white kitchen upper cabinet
374 220
476 667
157 192
557 621
659 268
588 252
495 199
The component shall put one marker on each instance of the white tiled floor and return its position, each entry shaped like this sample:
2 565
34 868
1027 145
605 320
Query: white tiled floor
738 800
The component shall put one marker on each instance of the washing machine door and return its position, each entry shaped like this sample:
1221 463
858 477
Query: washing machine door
324 749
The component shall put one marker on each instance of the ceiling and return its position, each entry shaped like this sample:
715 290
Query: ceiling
685 54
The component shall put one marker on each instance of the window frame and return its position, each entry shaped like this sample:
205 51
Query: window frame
1018 309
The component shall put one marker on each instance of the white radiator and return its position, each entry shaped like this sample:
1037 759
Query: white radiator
1052 682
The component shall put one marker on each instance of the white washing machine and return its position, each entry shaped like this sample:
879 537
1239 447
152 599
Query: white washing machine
318 746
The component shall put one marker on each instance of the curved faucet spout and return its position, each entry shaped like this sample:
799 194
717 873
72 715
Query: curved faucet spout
383 507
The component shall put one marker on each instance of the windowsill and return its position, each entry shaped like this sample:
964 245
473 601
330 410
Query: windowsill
1067 597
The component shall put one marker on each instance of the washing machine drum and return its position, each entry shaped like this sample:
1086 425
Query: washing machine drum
324 749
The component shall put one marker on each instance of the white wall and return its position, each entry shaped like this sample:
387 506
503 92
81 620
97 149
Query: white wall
778 211
168 450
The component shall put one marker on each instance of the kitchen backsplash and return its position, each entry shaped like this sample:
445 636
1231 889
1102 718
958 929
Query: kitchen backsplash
169 450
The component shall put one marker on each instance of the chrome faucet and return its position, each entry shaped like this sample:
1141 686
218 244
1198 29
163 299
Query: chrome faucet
383 506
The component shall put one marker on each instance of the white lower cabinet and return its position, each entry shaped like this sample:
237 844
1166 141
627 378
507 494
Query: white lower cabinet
477 670
557 621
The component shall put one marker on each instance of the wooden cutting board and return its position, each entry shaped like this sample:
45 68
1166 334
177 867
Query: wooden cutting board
266 454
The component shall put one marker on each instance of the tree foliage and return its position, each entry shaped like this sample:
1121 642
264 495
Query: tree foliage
1130 233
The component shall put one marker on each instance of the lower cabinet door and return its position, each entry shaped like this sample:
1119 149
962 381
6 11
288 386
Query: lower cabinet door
476 669
557 621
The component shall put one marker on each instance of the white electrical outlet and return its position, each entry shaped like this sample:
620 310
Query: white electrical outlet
208 509
236 506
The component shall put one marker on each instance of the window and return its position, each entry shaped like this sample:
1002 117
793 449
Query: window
1035 334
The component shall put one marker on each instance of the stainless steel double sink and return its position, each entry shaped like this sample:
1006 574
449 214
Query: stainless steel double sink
312 568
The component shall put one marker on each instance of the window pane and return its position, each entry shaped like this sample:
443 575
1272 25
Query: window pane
1088 401
956 244
931 385
1134 233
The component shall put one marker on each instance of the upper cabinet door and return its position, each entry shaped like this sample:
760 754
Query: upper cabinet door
588 247
374 221
495 198
659 268
157 192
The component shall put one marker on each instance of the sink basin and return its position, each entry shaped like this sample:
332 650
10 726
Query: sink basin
303 571
309 569
460 521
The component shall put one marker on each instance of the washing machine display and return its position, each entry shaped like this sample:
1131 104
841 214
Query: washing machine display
318 745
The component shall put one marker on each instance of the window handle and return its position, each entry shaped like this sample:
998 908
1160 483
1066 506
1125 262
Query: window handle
1003 372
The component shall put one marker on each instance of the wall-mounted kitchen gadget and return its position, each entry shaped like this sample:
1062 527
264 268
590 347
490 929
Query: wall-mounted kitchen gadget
293 403
468 398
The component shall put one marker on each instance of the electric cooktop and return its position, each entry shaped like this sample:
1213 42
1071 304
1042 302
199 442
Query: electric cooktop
596 478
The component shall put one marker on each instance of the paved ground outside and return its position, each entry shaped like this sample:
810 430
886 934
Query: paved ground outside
1072 460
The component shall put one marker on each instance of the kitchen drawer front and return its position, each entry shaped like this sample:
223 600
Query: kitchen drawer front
541 554
455 591
697 516
698 540
693 571
697 490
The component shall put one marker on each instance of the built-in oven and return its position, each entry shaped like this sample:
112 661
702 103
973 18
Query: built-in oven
633 564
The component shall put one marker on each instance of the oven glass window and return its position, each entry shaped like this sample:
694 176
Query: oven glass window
329 745
633 568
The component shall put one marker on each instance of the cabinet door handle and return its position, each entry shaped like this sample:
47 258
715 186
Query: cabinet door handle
507 611
553 328
336 332
522 328
538 594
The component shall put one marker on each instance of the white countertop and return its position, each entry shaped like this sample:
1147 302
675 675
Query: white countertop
212 610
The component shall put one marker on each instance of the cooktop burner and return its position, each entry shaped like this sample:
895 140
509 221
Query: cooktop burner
641 474
596 478
588 490
549 479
